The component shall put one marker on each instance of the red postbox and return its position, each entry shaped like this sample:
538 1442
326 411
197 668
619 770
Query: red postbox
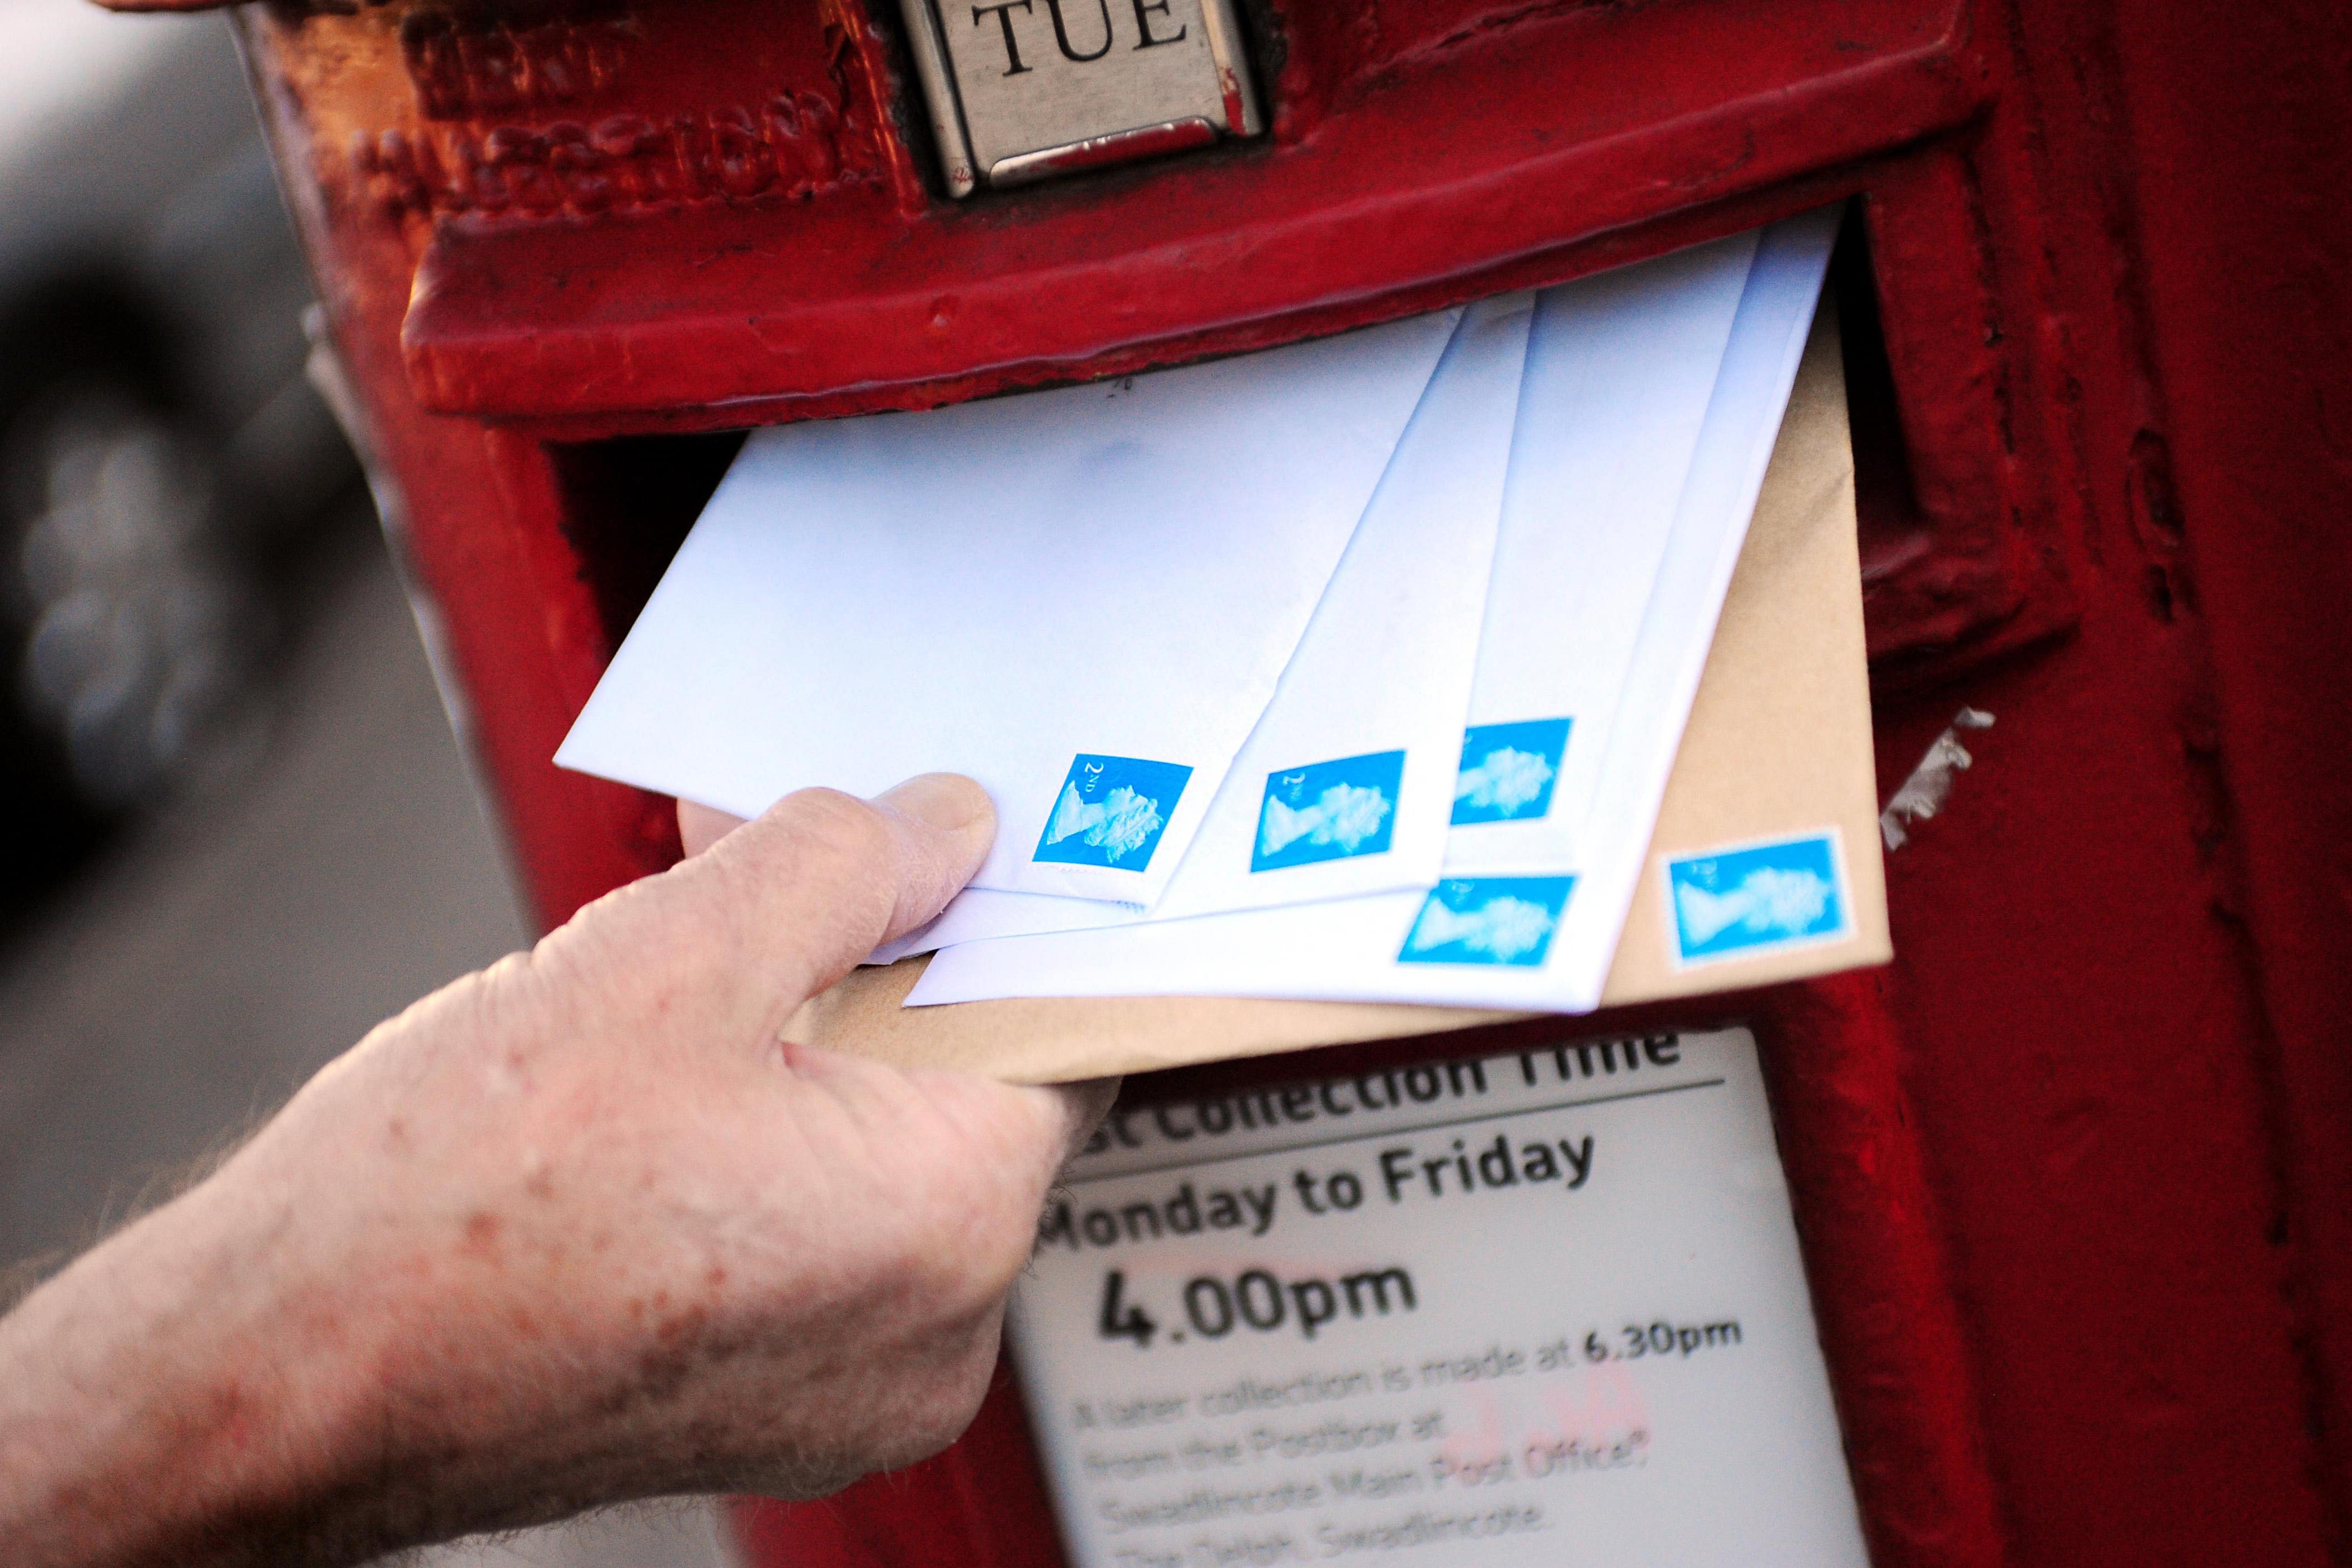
2073 1177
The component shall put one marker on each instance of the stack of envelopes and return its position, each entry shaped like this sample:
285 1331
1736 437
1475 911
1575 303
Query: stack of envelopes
1354 670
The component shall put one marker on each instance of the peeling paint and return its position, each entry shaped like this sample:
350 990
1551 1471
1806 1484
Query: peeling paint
1923 793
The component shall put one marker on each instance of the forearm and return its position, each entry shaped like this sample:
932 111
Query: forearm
162 1401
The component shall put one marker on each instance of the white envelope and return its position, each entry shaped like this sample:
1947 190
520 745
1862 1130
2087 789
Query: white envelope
1543 939
1083 597
1345 787
1743 421
1620 369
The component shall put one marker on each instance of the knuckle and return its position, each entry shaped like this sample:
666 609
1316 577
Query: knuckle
951 1401
936 1388
828 825
943 1262
968 1258
840 849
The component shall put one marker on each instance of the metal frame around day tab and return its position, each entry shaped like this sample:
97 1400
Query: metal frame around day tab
1092 102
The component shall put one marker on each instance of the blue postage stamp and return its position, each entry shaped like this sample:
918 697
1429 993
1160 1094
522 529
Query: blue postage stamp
1507 770
1758 898
1111 811
1328 811
1488 920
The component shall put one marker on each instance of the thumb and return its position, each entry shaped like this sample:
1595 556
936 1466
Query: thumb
780 908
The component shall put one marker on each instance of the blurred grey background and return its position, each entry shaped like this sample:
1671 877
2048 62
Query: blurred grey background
240 832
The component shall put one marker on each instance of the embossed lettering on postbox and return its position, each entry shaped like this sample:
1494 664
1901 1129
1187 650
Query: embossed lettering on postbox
1020 89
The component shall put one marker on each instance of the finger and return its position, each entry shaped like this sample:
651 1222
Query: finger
700 826
787 904
1084 1106
1066 1115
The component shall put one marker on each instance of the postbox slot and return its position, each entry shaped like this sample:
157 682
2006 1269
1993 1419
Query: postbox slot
1884 503
1946 581
1952 574
627 502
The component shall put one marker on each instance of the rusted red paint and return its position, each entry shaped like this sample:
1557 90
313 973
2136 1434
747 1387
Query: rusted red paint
2074 1175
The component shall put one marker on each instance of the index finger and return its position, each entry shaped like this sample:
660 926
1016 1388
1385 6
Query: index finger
700 826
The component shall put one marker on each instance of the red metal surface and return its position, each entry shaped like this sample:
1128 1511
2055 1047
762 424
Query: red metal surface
2074 1176
861 297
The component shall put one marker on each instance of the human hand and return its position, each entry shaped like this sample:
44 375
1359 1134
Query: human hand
577 1228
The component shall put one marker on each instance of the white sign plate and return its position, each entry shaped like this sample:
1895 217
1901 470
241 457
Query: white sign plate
1538 1310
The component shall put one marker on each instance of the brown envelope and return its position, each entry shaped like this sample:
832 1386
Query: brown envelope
1778 745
